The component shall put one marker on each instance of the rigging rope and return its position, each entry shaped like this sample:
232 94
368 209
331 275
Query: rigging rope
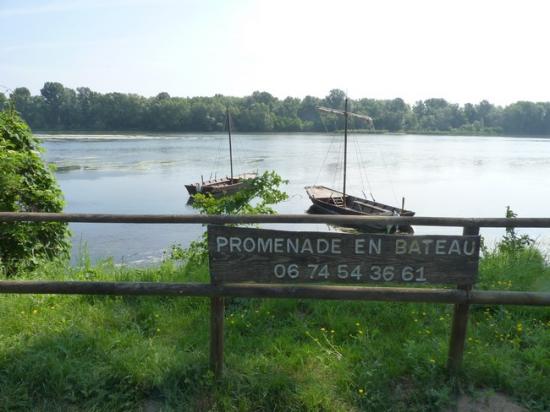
236 148
325 158
356 146
328 151
388 175
339 166
363 169
217 159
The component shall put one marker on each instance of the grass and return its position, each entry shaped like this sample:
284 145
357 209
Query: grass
151 353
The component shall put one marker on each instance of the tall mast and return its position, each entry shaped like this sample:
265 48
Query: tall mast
345 147
230 151
346 114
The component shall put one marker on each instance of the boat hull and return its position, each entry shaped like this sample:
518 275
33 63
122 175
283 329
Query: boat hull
221 187
326 201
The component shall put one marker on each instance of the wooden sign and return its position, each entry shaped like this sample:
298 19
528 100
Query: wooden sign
274 256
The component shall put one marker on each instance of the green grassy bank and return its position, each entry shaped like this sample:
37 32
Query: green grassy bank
151 353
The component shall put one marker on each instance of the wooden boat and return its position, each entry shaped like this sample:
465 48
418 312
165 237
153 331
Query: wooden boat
330 201
226 185
223 186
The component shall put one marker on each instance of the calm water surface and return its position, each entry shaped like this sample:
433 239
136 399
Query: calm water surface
438 176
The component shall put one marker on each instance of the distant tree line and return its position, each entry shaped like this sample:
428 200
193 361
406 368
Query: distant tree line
61 108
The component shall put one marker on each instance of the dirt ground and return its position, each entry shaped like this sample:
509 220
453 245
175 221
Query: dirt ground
486 402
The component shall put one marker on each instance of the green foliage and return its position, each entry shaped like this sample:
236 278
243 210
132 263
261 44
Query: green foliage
196 253
3 100
514 263
62 108
511 242
256 198
28 185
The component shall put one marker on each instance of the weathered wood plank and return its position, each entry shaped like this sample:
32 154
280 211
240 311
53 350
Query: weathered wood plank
460 320
327 292
300 218
216 335
271 256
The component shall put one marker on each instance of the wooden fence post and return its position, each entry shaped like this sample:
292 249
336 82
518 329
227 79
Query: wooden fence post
460 321
217 314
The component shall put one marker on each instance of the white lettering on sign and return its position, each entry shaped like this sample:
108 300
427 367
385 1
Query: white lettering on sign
440 247
234 244
307 246
279 245
336 246
264 245
374 246
248 244
352 272
323 245
221 242
361 246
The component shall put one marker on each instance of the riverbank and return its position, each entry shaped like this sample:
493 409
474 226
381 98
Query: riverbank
452 132
129 353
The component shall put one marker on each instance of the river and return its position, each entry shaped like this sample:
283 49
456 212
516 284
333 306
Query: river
438 176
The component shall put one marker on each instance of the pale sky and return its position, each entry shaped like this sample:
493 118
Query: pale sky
463 51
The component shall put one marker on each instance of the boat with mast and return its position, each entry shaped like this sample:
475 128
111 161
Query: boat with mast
326 200
225 185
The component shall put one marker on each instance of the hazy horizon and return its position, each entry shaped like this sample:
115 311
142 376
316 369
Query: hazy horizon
462 51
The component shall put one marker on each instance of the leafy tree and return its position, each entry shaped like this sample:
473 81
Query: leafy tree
163 96
3 100
200 117
525 118
257 198
168 115
53 94
264 189
309 114
391 115
22 100
264 98
87 102
511 242
21 97
60 108
335 99
257 118
28 185
484 110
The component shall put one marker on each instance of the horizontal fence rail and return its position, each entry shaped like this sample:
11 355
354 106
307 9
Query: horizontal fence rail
532 222
383 294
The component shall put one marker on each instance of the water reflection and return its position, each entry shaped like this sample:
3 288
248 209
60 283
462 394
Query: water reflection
438 175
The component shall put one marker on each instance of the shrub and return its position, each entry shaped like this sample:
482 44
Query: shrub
27 185
256 198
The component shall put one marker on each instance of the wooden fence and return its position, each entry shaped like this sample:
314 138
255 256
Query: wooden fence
462 296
